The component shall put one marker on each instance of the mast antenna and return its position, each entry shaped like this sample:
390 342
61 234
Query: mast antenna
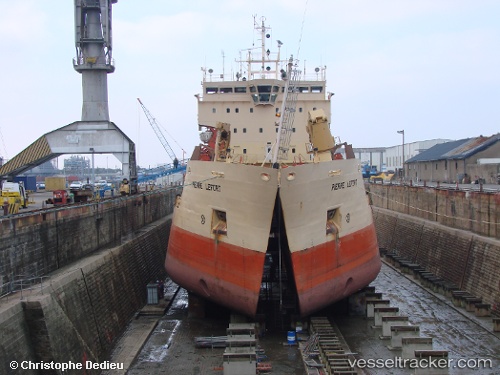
302 28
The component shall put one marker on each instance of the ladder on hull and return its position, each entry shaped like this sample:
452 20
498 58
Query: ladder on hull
287 114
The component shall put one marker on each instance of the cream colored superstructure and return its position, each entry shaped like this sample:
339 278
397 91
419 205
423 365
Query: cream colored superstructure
254 126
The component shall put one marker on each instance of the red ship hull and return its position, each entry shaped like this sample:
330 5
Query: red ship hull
232 276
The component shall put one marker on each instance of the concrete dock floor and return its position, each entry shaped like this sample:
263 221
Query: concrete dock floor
170 349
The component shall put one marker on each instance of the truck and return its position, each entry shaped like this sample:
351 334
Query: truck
369 170
82 194
14 193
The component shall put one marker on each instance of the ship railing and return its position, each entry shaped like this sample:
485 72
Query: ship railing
310 77
22 284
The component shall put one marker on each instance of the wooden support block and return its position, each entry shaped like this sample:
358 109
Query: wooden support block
389 321
496 324
457 297
482 309
438 357
384 311
371 304
410 344
470 303
400 331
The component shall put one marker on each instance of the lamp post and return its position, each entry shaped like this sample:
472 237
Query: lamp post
92 175
402 132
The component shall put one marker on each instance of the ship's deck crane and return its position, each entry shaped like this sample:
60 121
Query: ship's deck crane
159 133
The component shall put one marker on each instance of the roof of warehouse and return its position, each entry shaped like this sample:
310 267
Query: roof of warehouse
460 149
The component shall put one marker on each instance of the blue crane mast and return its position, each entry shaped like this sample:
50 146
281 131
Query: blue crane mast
159 133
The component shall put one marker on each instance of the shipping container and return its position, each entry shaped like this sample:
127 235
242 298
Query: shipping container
55 183
29 182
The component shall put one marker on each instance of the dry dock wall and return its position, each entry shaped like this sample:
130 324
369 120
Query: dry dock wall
470 261
35 244
83 307
474 211
99 258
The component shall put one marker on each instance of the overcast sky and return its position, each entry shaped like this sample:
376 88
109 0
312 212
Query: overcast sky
430 67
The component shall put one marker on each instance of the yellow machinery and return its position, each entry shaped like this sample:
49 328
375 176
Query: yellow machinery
125 187
14 194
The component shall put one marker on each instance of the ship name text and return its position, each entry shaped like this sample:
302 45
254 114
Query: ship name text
211 187
344 184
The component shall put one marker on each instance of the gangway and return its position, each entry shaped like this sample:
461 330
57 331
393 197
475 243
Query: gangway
287 114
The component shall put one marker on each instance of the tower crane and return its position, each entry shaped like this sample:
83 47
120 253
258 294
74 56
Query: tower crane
159 134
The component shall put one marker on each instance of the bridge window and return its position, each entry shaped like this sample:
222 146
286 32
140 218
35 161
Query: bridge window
240 90
317 89
225 90
211 90
264 94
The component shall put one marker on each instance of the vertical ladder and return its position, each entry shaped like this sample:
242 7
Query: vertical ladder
287 114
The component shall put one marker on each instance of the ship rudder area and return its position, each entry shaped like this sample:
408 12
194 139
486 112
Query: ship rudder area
278 300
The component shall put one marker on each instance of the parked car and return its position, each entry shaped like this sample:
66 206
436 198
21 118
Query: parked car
101 184
76 185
